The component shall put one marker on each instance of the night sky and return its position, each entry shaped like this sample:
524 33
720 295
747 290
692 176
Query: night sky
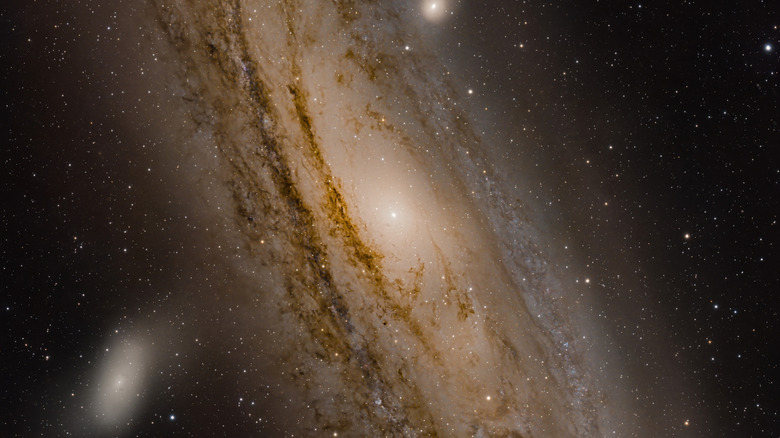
635 144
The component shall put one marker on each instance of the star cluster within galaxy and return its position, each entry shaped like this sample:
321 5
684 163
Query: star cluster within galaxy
431 218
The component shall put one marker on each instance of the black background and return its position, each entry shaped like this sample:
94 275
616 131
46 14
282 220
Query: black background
668 113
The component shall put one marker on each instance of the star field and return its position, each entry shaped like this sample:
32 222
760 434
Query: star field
244 218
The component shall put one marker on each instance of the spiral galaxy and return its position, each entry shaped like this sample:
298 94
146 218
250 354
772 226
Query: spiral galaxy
417 300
